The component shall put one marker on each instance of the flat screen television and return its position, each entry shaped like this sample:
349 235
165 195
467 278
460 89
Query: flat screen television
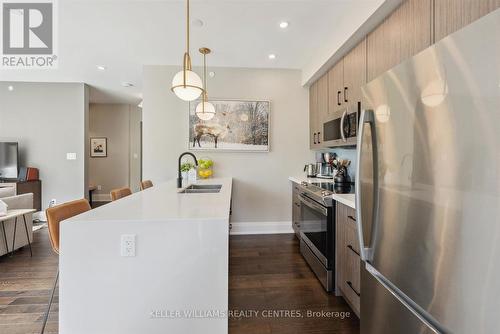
9 160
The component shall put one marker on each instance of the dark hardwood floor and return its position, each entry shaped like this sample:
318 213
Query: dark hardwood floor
25 284
267 274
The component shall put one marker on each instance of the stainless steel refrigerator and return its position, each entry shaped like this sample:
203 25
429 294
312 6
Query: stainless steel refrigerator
428 189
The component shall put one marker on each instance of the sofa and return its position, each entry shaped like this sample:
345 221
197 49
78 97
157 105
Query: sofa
7 191
24 201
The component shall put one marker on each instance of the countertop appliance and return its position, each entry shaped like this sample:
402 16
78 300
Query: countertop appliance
341 128
317 228
310 170
427 189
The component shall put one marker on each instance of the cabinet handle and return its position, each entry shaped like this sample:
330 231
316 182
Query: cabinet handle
345 94
350 285
351 218
318 138
297 204
338 98
351 248
314 138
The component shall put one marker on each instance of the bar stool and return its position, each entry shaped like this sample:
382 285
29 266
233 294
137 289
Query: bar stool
146 184
55 215
116 194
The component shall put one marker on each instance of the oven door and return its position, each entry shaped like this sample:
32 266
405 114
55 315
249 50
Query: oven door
316 229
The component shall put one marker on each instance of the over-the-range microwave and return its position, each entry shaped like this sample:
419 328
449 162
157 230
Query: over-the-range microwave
341 128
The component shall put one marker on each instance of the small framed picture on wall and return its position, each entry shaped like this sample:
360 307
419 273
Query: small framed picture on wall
98 147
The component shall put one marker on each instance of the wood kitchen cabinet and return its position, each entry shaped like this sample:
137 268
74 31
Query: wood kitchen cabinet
295 209
404 33
451 15
348 259
313 115
318 109
336 88
354 75
323 84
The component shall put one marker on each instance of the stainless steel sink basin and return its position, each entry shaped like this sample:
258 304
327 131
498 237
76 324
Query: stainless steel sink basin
202 189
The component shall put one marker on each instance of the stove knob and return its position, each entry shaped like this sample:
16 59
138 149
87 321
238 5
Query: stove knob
303 183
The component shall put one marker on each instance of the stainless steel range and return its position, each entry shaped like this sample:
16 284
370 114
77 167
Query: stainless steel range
317 228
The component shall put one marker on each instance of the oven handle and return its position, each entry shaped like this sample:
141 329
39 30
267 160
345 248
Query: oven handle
312 204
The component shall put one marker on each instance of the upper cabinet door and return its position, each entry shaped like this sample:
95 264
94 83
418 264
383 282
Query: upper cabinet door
322 107
354 74
451 15
416 27
335 88
403 34
313 114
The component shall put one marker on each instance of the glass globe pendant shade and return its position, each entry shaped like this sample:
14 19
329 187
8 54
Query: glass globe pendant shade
191 89
205 111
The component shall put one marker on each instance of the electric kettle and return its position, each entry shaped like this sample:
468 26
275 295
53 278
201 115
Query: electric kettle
310 170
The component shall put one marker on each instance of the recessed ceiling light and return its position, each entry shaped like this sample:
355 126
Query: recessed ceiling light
197 23
283 24
10 88
101 67
127 84
272 56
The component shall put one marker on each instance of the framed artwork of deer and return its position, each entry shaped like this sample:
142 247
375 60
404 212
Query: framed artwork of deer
238 125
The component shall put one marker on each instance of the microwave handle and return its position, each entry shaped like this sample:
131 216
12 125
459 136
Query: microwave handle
342 126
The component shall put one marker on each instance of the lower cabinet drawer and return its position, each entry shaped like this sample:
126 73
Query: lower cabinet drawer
349 261
350 284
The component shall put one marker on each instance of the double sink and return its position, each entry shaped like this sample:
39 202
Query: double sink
201 189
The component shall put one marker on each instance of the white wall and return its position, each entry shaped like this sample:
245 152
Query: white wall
261 191
119 123
48 120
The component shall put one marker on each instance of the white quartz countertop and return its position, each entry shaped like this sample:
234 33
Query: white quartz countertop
163 202
346 199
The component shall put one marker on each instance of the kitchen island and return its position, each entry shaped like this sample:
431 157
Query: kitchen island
175 278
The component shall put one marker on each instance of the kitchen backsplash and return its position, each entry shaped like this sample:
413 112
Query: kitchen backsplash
343 153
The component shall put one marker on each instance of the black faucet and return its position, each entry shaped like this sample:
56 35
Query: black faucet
179 177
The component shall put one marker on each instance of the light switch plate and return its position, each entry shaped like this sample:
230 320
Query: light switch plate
127 245
70 156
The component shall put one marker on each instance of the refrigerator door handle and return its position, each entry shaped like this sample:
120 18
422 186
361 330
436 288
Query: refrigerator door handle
367 117
407 302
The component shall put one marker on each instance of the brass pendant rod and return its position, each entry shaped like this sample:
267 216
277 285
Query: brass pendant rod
187 58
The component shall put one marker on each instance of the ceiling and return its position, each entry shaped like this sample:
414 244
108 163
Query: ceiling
125 35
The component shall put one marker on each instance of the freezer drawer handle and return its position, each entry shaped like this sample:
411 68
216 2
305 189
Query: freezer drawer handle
351 248
350 285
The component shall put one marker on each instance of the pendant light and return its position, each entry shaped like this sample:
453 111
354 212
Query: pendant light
205 110
187 84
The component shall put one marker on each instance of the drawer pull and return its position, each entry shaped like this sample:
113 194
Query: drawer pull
297 204
351 248
350 285
351 218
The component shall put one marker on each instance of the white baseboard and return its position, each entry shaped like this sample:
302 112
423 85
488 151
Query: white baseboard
261 228
101 197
